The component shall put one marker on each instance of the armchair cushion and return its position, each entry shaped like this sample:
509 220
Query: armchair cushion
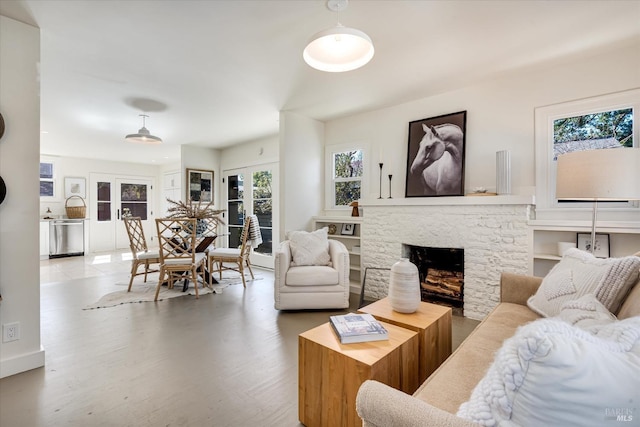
310 248
314 275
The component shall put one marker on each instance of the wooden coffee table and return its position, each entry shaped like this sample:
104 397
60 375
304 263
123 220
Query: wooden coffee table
330 373
431 321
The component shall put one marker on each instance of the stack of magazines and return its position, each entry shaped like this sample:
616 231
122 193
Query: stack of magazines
353 327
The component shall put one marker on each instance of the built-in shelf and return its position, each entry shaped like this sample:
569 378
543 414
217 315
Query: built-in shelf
547 256
348 240
624 239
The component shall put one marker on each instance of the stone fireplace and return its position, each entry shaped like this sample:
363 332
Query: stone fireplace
492 231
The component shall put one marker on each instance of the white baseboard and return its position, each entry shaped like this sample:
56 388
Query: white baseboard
22 363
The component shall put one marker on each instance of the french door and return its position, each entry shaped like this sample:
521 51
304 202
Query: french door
112 199
251 191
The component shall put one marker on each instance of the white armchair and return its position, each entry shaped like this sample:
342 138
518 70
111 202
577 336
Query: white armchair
311 286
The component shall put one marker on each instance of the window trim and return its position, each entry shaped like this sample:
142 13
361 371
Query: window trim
330 150
545 165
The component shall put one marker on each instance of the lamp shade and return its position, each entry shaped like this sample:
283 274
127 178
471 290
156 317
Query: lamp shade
143 136
339 49
607 174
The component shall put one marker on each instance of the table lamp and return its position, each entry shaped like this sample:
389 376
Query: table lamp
599 175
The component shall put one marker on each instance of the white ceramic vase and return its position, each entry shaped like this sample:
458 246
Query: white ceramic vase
404 287
503 172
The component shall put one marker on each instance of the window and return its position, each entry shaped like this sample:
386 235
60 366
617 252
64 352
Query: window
347 167
601 122
606 129
47 181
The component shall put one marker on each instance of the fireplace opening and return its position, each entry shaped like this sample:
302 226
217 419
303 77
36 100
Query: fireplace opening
441 272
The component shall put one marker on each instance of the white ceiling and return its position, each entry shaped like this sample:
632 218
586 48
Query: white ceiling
215 73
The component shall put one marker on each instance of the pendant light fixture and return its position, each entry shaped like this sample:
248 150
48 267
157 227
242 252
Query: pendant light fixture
143 136
339 48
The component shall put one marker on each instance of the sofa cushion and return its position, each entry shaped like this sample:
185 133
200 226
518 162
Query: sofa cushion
580 273
310 248
311 276
552 373
452 383
631 305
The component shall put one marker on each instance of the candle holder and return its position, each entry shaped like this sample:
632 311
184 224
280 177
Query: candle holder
390 176
380 179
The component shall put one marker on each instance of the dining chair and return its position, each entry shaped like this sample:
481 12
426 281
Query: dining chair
178 257
141 255
207 232
234 259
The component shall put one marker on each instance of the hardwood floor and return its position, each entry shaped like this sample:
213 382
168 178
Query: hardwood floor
226 359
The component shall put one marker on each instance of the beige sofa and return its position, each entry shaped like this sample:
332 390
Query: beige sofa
437 400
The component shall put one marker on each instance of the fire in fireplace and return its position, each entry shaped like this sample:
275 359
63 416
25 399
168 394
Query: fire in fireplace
441 272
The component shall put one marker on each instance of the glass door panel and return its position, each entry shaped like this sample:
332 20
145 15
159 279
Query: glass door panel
263 209
235 208
104 201
133 199
259 199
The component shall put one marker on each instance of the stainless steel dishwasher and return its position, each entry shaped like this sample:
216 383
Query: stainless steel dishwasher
66 237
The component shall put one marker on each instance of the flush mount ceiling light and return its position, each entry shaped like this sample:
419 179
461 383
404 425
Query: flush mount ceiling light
143 136
339 48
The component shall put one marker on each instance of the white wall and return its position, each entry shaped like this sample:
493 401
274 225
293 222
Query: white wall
202 158
301 171
19 153
500 116
250 153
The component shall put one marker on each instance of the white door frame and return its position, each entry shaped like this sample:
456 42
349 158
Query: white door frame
257 259
111 235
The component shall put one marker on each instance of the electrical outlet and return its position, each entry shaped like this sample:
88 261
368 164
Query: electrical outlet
11 332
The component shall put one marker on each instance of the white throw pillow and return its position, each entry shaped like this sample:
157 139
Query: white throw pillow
586 313
310 248
553 374
579 273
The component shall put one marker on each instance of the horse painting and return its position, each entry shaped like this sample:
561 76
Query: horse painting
439 160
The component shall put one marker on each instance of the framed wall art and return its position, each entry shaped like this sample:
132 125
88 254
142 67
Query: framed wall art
75 187
199 185
348 229
435 156
47 180
601 247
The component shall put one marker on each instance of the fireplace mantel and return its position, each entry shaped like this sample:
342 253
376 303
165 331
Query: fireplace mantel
449 201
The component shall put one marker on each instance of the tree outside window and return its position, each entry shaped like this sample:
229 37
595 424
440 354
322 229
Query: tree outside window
347 176
607 129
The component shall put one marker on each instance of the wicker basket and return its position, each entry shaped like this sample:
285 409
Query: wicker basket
75 211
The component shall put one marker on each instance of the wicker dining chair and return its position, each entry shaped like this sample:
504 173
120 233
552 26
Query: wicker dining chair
233 259
141 255
178 257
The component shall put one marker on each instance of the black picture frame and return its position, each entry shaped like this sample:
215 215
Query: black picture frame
603 244
348 229
440 168
200 185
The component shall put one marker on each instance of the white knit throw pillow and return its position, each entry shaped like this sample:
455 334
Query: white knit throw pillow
310 248
580 273
553 374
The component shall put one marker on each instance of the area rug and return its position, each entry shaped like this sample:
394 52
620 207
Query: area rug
145 292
